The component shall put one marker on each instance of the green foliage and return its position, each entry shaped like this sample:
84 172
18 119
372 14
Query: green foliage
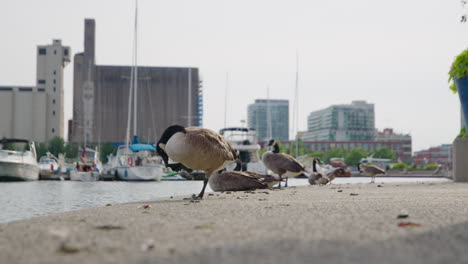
301 148
400 166
56 146
71 151
431 166
335 153
354 156
462 133
385 153
106 149
41 150
459 69
319 154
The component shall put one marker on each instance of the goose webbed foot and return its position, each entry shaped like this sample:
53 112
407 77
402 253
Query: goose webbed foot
194 198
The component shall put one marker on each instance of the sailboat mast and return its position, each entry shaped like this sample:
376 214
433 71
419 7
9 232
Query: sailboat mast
135 73
296 104
225 98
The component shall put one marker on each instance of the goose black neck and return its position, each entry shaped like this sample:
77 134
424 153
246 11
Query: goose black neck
276 148
238 166
314 165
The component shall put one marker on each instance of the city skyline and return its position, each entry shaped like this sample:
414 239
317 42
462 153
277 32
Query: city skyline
395 55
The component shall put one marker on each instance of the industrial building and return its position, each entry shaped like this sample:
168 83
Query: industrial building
37 112
166 96
437 155
354 122
277 120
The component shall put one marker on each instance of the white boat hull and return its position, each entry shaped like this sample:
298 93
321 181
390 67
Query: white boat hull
15 171
84 176
139 173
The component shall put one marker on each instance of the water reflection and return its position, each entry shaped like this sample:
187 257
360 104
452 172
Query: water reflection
20 200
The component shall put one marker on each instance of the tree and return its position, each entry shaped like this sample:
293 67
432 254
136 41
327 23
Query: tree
41 150
56 146
301 148
355 156
384 153
71 151
335 153
318 154
106 149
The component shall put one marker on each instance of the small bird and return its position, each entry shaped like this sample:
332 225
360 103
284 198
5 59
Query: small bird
196 148
281 164
370 170
240 180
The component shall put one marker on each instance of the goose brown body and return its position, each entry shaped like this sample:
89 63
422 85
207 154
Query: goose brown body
282 164
240 181
196 148
370 170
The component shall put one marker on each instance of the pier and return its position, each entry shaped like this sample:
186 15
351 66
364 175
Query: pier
347 223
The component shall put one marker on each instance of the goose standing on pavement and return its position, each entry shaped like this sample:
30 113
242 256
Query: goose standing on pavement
281 164
196 148
240 180
370 170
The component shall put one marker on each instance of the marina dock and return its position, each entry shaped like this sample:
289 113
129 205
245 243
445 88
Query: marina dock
338 223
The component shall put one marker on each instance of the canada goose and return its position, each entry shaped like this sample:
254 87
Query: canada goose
196 148
281 164
324 177
370 170
315 175
240 180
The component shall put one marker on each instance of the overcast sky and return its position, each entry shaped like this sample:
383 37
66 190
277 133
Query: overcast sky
394 54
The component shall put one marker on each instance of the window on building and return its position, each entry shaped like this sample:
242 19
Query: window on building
54 81
41 81
41 89
6 89
55 51
25 89
53 113
54 89
65 52
53 101
55 72
53 130
42 51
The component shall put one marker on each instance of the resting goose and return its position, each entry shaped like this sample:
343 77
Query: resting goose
370 170
196 148
281 164
240 180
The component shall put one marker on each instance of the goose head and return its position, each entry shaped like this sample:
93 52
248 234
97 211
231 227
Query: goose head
359 167
314 164
167 134
273 146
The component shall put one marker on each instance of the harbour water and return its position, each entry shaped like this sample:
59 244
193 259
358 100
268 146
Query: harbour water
21 200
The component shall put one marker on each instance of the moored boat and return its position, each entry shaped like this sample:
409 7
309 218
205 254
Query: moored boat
245 141
89 167
18 160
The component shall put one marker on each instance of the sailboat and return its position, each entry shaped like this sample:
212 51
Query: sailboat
136 161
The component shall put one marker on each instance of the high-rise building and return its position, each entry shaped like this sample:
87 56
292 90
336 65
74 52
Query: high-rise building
354 122
277 120
166 96
36 112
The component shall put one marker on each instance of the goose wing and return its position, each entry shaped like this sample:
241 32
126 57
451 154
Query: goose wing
235 181
288 163
207 140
